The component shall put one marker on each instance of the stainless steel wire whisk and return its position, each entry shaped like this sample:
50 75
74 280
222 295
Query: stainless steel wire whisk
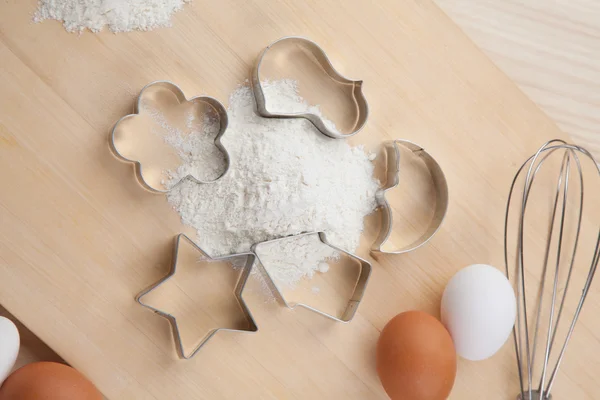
538 352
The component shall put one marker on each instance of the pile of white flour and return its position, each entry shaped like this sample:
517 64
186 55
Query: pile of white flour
118 15
285 178
195 145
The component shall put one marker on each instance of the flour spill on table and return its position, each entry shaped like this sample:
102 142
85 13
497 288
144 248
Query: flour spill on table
285 178
194 143
118 15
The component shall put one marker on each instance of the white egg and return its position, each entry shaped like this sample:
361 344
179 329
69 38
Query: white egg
9 347
479 310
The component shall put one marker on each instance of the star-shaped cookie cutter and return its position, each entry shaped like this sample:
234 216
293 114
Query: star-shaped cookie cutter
355 298
246 270
392 154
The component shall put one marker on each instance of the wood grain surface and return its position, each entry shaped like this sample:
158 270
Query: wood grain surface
79 239
521 41
551 49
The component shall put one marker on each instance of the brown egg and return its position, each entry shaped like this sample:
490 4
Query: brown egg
48 381
416 359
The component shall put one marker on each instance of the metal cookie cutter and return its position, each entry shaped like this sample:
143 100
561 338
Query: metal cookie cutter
128 145
392 154
246 270
359 288
320 56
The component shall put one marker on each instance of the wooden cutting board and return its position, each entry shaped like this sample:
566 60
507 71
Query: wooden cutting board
79 238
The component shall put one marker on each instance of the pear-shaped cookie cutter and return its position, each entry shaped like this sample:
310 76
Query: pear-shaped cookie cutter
359 288
319 54
213 103
238 292
391 150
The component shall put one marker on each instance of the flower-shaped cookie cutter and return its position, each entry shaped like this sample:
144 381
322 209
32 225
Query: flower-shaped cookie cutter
239 289
126 144
359 288
321 57
391 150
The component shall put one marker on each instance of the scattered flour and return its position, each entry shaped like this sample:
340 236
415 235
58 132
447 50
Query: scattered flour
119 15
294 258
285 178
195 144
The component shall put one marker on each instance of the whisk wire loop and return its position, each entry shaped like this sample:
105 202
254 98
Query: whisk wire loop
525 344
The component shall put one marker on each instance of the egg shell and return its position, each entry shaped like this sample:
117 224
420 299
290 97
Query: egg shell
48 381
9 347
416 359
479 310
